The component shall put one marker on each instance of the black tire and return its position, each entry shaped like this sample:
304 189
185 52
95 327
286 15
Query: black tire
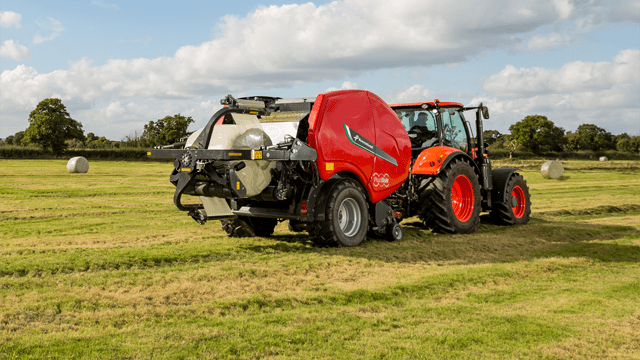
395 232
243 226
437 210
516 207
346 217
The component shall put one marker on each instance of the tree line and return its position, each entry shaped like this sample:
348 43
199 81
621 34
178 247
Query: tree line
51 127
537 134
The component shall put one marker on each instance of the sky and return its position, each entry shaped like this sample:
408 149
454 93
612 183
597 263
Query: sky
117 65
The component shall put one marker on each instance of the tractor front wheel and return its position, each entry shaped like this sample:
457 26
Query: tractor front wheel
346 217
450 201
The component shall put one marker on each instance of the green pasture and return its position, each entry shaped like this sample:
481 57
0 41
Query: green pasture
103 266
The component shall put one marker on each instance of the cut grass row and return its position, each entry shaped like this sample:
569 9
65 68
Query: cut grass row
107 268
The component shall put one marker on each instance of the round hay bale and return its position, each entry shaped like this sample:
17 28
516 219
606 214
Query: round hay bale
78 164
603 158
552 169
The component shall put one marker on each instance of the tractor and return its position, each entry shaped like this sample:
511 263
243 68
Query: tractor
342 166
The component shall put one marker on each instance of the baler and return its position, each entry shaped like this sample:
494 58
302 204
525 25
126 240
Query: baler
342 166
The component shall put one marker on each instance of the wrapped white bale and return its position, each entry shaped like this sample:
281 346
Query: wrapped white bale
78 164
603 158
552 169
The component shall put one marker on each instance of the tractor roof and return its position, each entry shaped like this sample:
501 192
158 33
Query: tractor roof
430 103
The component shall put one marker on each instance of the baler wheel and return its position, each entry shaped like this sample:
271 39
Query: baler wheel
516 208
346 217
243 226
450 201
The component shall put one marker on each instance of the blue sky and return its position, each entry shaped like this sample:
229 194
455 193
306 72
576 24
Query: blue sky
118 65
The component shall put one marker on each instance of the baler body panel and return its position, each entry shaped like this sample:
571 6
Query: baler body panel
392 137
336 153
355 131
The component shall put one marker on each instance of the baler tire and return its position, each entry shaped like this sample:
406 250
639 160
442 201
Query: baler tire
263 227
503 212
437 210
243 226
345 201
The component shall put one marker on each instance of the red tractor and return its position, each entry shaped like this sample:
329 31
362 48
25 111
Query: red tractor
343 166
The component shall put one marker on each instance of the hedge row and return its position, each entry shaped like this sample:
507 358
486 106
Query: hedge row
577 155
25 152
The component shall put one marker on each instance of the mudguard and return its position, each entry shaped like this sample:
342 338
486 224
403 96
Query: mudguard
432 160
500 178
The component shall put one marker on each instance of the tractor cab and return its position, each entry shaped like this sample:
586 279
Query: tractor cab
435 124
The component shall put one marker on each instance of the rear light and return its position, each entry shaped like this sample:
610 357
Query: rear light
303 208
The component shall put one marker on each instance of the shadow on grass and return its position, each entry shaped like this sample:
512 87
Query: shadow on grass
490 244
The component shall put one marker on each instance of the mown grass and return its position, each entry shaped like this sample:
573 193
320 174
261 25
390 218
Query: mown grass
101 265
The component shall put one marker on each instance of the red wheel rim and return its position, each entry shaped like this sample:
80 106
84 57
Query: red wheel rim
519 207
462 198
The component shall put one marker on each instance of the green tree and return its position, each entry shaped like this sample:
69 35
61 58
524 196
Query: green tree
18 137
50 125
167 130
9 140
594 138
630 144
537 133
491 136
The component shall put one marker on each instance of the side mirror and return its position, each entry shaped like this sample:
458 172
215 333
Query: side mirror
485 112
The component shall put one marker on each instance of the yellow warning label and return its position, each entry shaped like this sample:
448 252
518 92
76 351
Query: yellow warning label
257 155
237 185
148 153
186 169
329 166
235 154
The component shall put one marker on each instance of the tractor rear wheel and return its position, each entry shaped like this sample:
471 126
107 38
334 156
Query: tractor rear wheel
516 207
450 201
244 226
346 217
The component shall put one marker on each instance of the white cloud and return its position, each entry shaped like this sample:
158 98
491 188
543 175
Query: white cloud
9 19
627 11
37 39
314 43
548 42
54 25
576 93
280 46
14 50
564 8
347 85
415 93
574 76
105 5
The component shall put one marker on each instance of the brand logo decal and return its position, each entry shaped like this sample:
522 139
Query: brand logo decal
380 180
361 142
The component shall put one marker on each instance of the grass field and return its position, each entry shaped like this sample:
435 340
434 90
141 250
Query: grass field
102 265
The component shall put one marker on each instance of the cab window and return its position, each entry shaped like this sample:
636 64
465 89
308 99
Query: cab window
453 129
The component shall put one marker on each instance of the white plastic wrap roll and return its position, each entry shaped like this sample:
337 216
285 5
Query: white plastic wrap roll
552 169
603 158
78 164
